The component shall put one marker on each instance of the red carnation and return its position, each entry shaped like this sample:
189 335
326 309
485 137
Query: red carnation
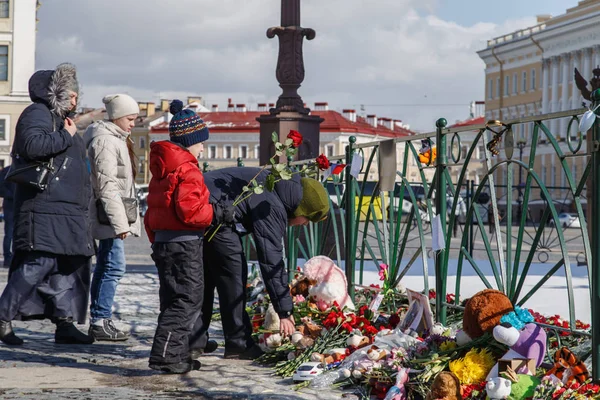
322 162
296 138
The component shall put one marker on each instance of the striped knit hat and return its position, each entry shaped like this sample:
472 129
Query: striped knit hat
186 127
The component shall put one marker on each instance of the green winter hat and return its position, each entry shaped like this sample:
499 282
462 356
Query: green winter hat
315 201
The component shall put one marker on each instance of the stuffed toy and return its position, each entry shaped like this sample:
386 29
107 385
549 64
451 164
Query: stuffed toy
568 368
331 283
528 343
482 314
269 342
498 388
301 341
427 152
377 354
271 319
445 386
329 357
398 391
356 340
301 286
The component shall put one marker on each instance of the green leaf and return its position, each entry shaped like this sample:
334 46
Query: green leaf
245 189
279 167
291 151
270 183
253 183
278 146
289 142
279 153
275 137
272 160
258 190
286 174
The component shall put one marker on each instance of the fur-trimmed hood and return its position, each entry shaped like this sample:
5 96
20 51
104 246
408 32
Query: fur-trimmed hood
52 88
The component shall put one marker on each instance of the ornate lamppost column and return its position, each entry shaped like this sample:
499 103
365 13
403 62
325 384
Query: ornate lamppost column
290 112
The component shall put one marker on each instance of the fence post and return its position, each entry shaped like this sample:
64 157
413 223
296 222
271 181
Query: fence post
292 249
441 265
595 241
350 238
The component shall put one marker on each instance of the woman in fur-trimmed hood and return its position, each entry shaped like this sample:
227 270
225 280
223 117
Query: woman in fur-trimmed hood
50 270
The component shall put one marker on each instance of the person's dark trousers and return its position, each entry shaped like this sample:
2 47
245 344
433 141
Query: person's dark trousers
181 277
46 284
9 224
226 269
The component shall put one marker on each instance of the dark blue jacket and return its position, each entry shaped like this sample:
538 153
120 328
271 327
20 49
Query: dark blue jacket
265 216
7 189
55 220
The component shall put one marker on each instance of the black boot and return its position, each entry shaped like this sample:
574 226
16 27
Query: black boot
67 333
8 336
211 346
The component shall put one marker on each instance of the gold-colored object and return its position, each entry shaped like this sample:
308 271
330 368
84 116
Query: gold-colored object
492 145
510 374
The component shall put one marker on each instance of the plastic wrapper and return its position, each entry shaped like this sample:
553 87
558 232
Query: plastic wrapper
394 340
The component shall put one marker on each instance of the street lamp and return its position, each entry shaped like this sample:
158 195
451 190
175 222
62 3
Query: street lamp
521 143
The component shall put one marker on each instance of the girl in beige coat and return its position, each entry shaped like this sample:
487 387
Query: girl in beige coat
114 213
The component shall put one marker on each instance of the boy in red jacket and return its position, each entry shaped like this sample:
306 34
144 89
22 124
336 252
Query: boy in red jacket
178 212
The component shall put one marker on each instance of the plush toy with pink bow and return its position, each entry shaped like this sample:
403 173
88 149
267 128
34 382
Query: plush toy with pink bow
331 285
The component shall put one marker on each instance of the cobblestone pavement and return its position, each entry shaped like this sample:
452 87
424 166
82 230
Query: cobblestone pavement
41 369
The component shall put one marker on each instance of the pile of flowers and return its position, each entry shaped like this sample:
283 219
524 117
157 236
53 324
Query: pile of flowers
368 351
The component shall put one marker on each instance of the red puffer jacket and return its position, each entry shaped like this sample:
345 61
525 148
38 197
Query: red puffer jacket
177 196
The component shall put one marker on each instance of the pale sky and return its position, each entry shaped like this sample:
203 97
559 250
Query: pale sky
413 60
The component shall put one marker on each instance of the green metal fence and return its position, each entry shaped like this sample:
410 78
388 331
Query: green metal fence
377 227
496 239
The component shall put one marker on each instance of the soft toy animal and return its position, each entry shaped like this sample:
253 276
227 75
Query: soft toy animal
446 386
528 343
427 152
398 391
329 357
356 340
271 319
482 314
331 283
568 368
301 286
498 388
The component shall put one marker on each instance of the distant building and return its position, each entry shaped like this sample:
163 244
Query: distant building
234 134
17 64
531 72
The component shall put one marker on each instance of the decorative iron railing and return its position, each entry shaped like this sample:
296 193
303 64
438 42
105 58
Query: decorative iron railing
485 234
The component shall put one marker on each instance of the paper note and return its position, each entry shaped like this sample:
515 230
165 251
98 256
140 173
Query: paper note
437 234
356 165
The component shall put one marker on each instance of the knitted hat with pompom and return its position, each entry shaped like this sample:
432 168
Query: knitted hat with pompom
186 127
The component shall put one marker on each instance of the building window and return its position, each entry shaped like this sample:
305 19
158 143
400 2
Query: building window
491 89
142 142
2 129
329 150
533 79
506 85
212 151
227 152
244 151
142 168
498 87
553 177
257 151
574 171
515 84
4 7
524 83
544 171
3 63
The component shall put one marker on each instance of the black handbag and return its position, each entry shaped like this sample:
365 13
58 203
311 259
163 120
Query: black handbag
35 174
131 210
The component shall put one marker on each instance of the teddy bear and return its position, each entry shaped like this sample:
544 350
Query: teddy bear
301 286
445 386
498 388
329 356
331 285
356 340
482 314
